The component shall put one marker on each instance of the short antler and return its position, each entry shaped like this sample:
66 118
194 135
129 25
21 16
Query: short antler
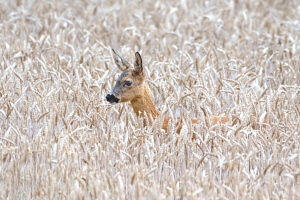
120 62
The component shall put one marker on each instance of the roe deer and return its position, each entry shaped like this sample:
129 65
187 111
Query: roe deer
131 86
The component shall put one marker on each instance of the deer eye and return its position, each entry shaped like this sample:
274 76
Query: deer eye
127 83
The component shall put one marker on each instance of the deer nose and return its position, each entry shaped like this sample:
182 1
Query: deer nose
112 99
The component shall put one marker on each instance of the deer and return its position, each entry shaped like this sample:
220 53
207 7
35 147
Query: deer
131 87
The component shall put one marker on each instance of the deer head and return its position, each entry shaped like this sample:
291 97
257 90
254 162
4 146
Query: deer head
129 84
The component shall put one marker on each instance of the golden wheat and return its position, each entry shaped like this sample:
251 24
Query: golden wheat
59 139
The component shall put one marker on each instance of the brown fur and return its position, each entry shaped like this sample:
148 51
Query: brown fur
140 96
144 104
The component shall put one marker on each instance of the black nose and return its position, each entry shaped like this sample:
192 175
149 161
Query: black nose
112 99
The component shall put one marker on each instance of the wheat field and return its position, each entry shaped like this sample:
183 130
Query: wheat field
60 139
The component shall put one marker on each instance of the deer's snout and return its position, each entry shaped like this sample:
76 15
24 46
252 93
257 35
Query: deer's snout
112 99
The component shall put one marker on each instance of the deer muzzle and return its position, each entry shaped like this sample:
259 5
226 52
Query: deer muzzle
112 98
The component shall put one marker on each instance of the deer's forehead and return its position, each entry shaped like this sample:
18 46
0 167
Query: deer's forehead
126 75
130 75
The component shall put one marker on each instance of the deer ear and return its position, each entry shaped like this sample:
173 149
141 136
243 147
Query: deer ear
120 62
138 67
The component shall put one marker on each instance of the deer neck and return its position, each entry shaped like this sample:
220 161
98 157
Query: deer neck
144 104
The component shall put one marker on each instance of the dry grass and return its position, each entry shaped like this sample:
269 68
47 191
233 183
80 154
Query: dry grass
60 140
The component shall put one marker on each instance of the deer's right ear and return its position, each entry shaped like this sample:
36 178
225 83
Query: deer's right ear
138 67
120 62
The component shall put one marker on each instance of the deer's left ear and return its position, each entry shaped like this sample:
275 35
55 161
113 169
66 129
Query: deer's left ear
120 62
138 67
